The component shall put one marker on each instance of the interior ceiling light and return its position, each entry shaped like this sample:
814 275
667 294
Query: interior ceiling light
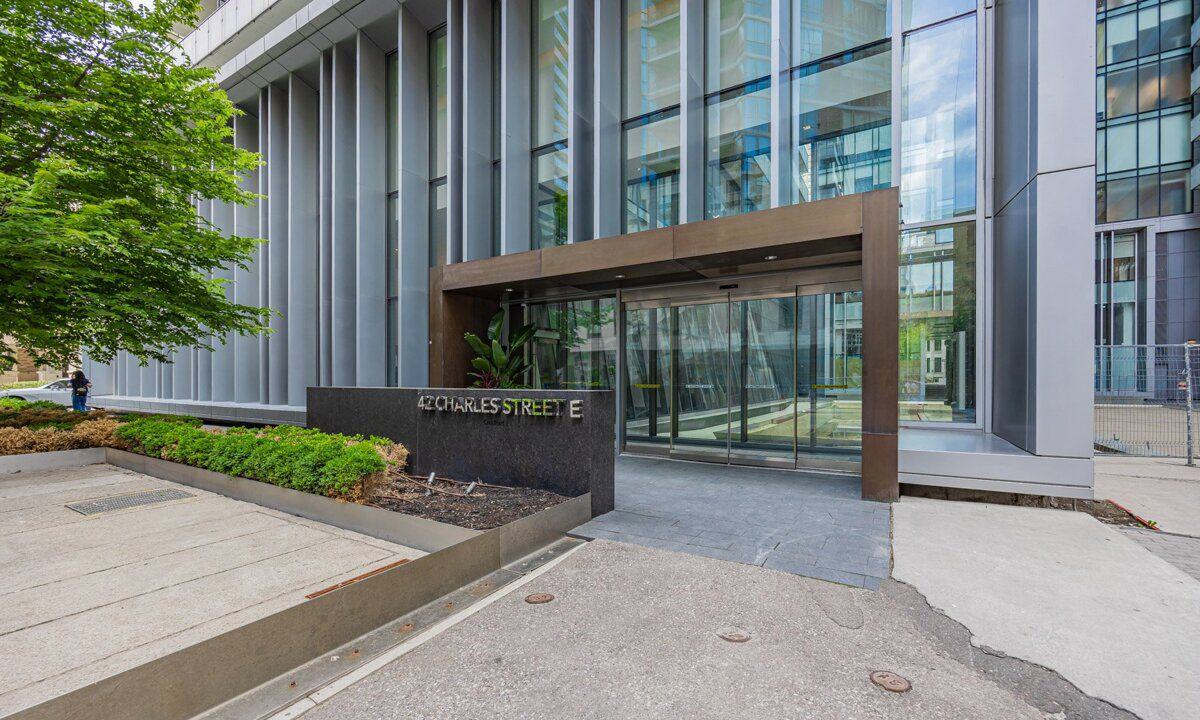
771 257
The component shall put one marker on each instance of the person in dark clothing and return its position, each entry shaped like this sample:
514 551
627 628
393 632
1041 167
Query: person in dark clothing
79 391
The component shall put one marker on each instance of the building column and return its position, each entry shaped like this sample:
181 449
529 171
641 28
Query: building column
607 159
277 244
691 110
516 179
181 375
325 214
881 337
245 280
478 71
222 353
412 160
202 358
580 71
343 268
264 250
301 240
371 214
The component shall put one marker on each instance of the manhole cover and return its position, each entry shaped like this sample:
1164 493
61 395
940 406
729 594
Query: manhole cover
733 634
890 681
538 598
121 502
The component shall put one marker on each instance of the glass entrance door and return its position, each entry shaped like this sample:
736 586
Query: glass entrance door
767 379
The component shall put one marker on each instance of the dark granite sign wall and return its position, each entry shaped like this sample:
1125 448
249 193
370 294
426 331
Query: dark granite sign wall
558 440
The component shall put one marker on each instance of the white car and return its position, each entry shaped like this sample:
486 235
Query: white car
58 391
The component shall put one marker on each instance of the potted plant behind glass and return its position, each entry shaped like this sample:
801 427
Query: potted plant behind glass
498 366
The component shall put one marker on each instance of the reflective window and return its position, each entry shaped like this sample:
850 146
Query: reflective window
439 144
575 346
1121 92
651 173
937 324
650 127
550 197
918 13
550 107
1143 86
1121 38
438 203
738 42
738 151
439 132
651 56
549 71
841 122
939 110
821 28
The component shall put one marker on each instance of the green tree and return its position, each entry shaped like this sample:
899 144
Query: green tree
108 137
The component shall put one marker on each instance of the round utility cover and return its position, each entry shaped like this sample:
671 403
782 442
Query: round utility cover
538 598
890 681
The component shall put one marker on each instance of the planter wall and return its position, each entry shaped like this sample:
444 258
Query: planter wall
194 679
564 454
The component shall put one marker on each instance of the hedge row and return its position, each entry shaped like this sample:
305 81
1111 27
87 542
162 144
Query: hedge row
297 458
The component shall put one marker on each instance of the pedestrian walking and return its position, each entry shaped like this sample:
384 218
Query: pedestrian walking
79 391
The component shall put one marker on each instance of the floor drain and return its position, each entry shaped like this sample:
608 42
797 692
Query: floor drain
121 502
890 681
538 598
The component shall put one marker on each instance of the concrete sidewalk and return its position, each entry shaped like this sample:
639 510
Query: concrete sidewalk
1164 490
1062 590
632 633
88 596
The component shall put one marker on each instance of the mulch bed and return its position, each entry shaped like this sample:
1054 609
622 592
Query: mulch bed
447 500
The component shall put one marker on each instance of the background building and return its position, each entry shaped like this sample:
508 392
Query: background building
1147 235
400 136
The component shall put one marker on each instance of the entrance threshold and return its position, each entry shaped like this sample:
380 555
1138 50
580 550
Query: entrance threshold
816 463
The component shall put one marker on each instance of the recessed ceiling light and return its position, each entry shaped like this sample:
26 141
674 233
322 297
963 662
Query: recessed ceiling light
620 277
771 257
508 289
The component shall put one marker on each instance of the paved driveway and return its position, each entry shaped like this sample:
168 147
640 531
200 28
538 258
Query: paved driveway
802 523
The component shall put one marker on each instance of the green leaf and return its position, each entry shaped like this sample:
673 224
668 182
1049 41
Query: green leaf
494 325
477 345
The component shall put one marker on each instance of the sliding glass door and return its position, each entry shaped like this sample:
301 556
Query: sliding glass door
770 379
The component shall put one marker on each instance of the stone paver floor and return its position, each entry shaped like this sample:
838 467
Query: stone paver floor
87 596
802 523
1179 550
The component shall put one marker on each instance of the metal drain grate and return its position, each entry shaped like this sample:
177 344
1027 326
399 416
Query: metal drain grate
121 502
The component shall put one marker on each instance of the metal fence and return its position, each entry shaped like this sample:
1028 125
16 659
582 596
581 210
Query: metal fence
1144 399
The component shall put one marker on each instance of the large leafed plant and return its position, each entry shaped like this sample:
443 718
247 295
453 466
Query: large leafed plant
498 365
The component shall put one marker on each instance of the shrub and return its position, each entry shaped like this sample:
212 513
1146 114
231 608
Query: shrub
97 432
298 458
42 414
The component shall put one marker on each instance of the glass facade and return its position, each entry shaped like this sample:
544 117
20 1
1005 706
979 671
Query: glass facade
650 114
1143 109
439 146
937 324
841 122
937 155
737 83
575 345
550 113
550 196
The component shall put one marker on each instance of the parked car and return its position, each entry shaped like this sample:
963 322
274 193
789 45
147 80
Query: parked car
58 391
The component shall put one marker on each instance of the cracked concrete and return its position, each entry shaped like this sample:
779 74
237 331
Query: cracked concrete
1060 590
633 633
